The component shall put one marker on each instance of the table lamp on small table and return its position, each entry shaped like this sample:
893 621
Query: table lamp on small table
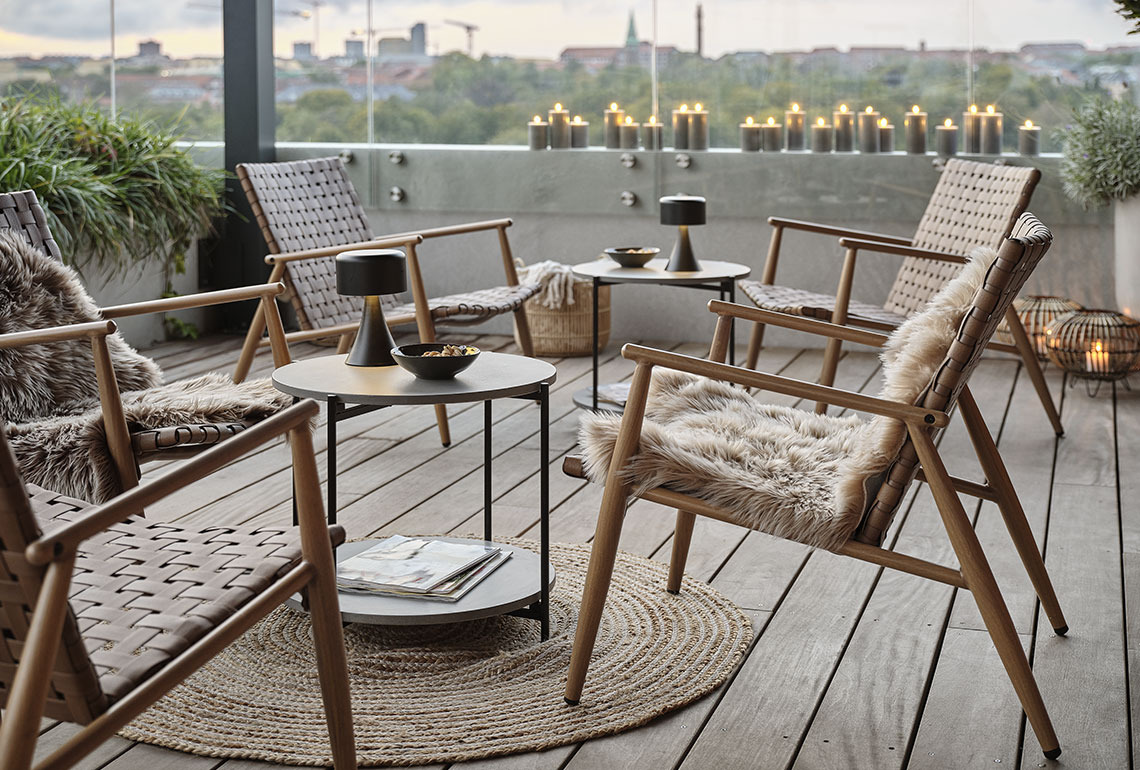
682 210
371 273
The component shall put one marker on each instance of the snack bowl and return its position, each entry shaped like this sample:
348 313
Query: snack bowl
412 358
632 256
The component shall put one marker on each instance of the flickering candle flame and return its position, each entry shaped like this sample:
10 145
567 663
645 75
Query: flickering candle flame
652 119
558 106
990 109
914 108
795 107
628 119
973 108
698 107
537 119
684 108
613 106
819 121
882 122
948 122
771 121
577 120
1029 124
749 121
843 108
870 108
1096 360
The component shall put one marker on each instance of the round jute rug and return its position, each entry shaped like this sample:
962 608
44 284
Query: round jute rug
464 691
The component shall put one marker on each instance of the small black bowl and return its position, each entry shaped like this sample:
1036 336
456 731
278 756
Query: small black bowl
632 256
411 357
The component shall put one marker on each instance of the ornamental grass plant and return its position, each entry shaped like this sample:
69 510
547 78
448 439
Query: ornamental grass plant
1101 152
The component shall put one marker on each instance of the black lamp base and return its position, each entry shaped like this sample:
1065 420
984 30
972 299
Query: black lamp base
682 259
374 343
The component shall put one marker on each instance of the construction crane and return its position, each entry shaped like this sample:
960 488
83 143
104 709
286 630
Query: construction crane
470 29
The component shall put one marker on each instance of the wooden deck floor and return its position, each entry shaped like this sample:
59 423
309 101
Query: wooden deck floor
852 666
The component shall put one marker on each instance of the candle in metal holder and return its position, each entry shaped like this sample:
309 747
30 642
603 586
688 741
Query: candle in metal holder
1036 312
627 133
651 132
772 136
844 121
1094 344
699 128
991 131
614 117
946 138
749 135
536 133
914 126
1029 139
559 128
579 132
972 129
794 135
886 136
869 130
681 128
821 136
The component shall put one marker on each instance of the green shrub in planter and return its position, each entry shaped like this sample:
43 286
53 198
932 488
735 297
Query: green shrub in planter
1101 152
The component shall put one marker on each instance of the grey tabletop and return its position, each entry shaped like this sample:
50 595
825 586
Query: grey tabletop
514 585
655 272
493 375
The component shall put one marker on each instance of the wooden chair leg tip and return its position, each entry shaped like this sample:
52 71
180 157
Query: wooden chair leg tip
1061 631
445 443
570 702
1053 753
674 591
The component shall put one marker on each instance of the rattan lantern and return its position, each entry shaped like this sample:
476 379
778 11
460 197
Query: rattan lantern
1036 312
1094 344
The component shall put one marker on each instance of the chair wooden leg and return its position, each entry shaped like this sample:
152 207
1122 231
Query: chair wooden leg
249 347
1033 369
1010 506
682 537
980 580
755 344
344 343
425 325
522 328
827 373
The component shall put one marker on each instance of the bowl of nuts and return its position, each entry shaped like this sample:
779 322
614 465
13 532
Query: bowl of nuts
632 256
435 360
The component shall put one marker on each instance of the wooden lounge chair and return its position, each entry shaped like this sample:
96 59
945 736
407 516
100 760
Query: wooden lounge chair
926 378
102 614
309 211
973 204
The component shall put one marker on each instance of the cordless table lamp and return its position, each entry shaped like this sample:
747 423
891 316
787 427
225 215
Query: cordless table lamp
370 273
682 210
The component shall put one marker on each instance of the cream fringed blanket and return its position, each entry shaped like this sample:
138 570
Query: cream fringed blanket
556 279
780 470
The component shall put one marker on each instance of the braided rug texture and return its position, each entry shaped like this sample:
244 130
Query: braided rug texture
450 693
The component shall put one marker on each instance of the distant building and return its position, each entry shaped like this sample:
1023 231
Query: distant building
303 51
635 53
419 39
150 49
354 49
412 49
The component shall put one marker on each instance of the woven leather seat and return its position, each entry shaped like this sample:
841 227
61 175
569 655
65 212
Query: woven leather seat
785 299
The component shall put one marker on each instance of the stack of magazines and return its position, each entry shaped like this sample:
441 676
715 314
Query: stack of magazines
420 567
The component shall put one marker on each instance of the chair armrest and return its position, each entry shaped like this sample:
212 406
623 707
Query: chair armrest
908 413
385 242
822 229
67 538
460 229
904 250
798 323
204 299
57 334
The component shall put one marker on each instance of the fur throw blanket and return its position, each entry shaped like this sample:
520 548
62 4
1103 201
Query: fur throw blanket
788 472
49 398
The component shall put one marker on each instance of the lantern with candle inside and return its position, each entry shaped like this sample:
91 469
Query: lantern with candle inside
821 136
682 211
1028 139
794 135
869 130
886 136
651 132
1094 344
371 273
749 135
946 138
991 131
614 117
681 128
559 128
972 128
579 132
536 133
844 121
1036 312
699 128
627 134
772 135
914 126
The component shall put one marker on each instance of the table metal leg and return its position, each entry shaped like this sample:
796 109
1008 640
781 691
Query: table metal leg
597 288
487 470
293 476
333 409
544 507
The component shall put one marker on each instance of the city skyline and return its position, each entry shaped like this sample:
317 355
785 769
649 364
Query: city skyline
542 28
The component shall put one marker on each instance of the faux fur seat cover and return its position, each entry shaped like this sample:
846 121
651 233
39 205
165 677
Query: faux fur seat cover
49 398
780 470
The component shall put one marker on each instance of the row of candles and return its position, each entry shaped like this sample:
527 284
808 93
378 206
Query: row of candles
982 132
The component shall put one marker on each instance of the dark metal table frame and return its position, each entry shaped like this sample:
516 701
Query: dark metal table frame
540 611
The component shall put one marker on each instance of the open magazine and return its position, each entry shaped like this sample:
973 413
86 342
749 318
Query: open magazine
417 566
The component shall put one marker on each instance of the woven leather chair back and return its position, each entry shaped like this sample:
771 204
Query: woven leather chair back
309 204
21 211
973 204
1017 256
74 694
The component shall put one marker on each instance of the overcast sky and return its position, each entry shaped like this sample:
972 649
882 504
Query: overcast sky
542 28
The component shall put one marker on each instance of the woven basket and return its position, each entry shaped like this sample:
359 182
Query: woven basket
1036 312
1095 344
569 331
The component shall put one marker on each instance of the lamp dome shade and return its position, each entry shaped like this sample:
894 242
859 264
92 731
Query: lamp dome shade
682 210
371 272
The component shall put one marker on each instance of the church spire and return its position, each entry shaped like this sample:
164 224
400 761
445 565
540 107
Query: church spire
631 40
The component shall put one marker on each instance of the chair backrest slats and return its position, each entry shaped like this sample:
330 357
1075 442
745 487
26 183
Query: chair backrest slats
974 204
22 213
1017 256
